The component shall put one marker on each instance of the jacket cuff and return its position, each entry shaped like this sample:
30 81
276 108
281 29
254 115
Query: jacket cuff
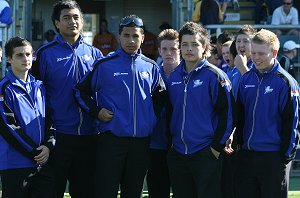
95 112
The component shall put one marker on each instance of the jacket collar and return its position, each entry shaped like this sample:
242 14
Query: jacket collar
121 52
15 80
273 69
60 40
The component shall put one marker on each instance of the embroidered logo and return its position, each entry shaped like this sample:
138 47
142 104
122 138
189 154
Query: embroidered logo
61 59
268 89
120 73
249 86
144 75
175 83
1 98
87 57
197 83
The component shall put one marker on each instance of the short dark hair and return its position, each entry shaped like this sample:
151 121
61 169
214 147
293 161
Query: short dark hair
224 37
247 30
132 17
13 43
59 6
232 49
192 28
167 34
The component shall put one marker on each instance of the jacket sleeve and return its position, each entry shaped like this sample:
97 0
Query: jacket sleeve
5 15
12 132
223 109
84 92
196 14
290 128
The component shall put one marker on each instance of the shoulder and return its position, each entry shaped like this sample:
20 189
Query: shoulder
3 84
103 61
146 59
46 47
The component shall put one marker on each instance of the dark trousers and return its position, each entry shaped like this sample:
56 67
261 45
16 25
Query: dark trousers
123 162
228 175
17 184
74 160
158 180
196 175
261 175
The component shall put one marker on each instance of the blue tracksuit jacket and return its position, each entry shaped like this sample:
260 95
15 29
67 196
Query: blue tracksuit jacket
61 66
268 111
202 109
123 84
22 122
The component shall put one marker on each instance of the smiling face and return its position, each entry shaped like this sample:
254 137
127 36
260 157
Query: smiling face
192 49
262 56
70 23
131 39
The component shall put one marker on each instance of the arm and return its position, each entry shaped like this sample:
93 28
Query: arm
290 126
12 132
5 16
223 108
196 14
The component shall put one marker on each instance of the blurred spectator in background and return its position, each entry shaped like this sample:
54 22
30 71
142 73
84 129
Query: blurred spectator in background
105 41
149 46
264 9
214 56
223 38
286 15
207 12
49 36
286 60
5 16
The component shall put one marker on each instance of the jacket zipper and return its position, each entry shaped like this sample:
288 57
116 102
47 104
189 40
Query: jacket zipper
253 113
35 111
184 113
134 97
77 80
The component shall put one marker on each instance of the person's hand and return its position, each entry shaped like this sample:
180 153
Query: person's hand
240 61
105 115
43 156
228 149
215 152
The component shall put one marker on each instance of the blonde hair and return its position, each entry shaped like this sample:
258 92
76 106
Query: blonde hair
267 37
227 44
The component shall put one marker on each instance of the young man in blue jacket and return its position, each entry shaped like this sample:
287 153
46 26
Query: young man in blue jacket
158 180
201 119
267 127
25 141
61 64
118 92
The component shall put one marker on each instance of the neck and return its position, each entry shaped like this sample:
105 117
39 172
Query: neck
20 75
189 66
168 69
71 39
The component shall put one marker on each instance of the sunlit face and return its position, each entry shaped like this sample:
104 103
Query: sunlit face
287 4
21 60
191 49
131 39
225 54
243 45
262 56
70 23
169 51
214 59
